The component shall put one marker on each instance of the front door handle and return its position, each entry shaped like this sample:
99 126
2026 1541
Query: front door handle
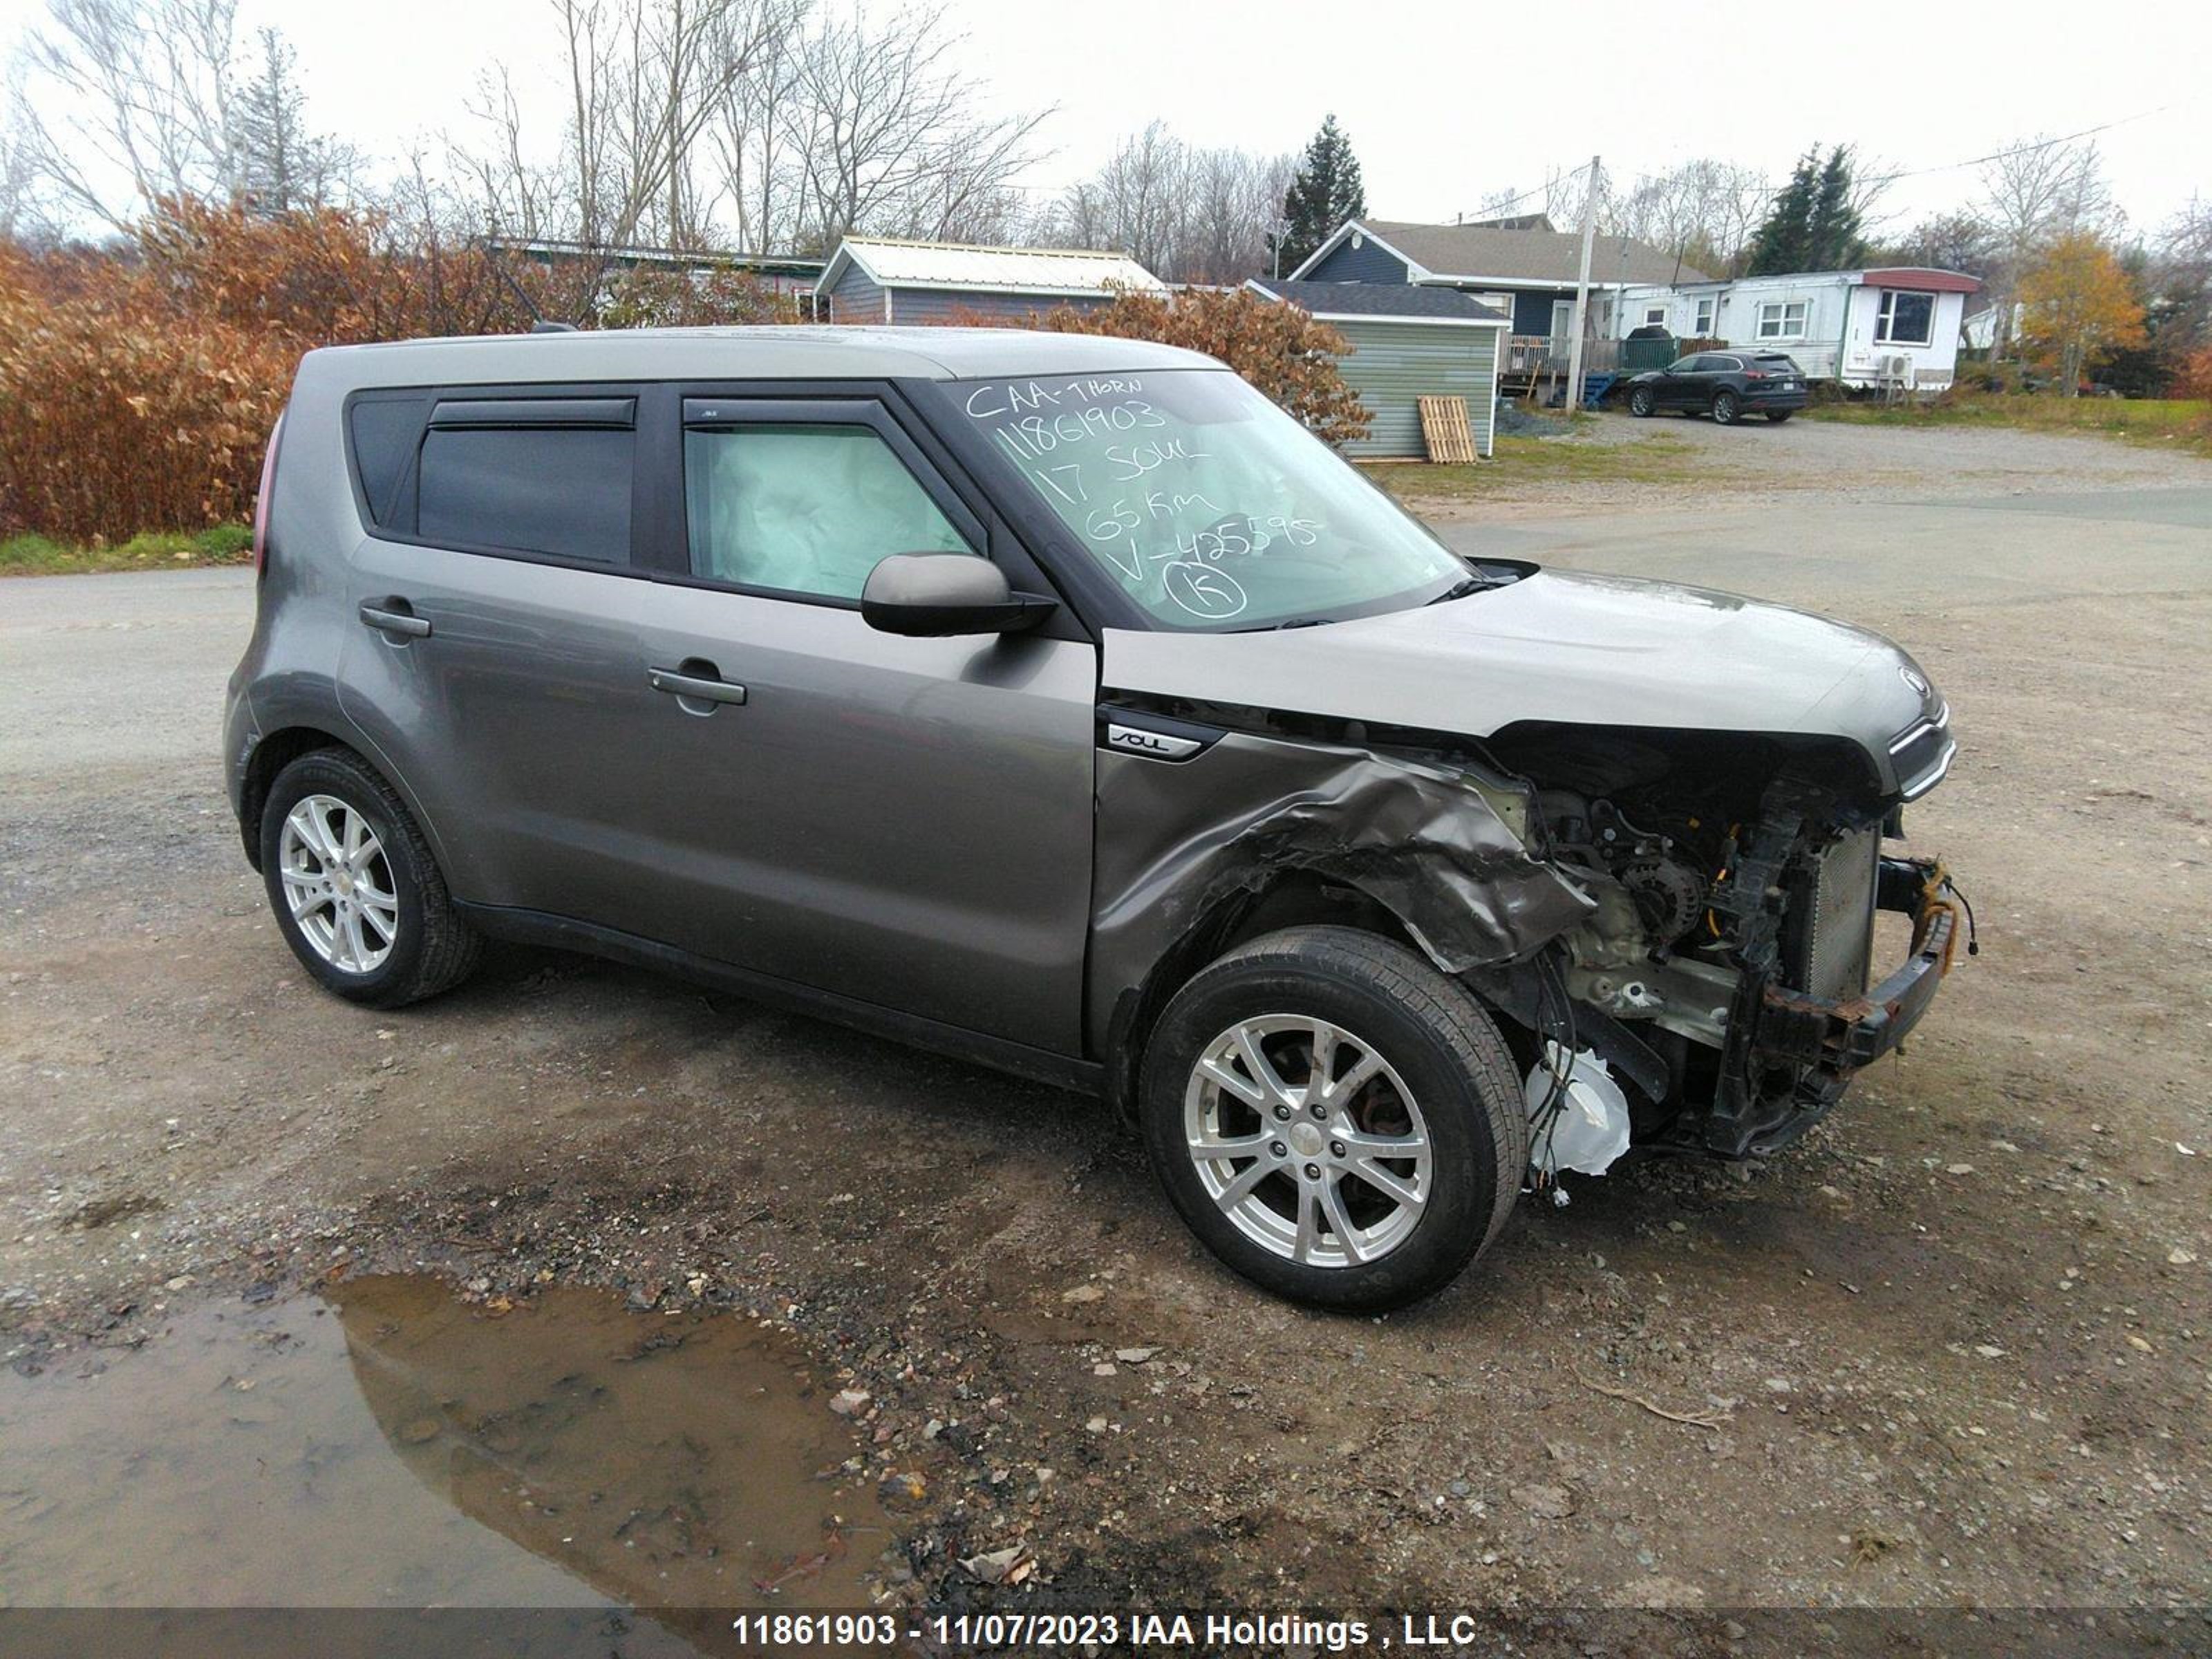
694 688
396 624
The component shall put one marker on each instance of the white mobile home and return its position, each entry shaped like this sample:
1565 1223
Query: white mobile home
1894 327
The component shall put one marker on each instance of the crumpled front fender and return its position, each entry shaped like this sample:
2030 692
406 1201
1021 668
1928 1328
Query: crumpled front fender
1176 839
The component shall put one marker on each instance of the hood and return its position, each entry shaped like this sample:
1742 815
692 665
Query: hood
1564 646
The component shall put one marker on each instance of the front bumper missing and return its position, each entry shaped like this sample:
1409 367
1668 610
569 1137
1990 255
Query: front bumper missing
1856 1032
1812 1046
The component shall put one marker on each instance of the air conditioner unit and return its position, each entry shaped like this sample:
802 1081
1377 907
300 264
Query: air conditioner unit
1899 368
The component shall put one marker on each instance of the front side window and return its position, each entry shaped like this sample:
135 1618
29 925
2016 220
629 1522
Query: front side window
561 491
808 510
1906 319
1781 319
1208 505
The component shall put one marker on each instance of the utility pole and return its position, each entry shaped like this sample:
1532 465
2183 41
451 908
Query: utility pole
1574 399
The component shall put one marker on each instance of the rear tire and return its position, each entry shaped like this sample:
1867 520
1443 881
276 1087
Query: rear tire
1314 1204
1726 409
1641 402
354 887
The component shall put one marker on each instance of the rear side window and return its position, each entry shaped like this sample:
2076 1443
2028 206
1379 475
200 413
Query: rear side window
561 491
384 431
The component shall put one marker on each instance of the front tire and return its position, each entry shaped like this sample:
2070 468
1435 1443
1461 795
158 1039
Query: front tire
354 887
1641 402
1726 408
1334 1118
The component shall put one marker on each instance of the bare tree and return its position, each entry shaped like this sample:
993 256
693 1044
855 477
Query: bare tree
1186 214
2033 192
754 155
884 135
18 171
133 101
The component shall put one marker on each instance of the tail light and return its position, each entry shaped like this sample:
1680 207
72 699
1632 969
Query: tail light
1754 374
261 500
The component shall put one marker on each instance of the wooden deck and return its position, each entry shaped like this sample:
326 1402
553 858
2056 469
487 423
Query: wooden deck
1534 360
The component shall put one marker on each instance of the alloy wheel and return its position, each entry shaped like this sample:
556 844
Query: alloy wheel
1307 1140
338 884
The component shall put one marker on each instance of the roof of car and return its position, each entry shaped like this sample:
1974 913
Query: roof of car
771 353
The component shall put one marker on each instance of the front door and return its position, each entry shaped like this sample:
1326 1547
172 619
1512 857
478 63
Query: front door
1562 330
904 821
1679 386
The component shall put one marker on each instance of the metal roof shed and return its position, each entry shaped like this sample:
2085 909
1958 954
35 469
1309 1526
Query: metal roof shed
1408 343
878 279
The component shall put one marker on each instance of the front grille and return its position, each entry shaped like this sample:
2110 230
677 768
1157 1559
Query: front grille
1834 917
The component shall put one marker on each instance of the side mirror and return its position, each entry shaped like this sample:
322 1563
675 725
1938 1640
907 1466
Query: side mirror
933 594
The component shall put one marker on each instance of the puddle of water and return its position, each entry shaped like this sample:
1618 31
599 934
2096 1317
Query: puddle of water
394 1447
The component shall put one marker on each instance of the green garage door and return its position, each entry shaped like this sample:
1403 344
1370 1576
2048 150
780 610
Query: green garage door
1394 363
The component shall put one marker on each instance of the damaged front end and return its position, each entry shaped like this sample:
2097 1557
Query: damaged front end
1680 929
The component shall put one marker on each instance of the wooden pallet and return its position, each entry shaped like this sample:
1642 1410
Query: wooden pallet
1445 431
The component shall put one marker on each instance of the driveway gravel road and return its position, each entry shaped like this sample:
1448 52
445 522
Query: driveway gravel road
1954 1350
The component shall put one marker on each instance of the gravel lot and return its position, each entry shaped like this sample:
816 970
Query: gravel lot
1954 1350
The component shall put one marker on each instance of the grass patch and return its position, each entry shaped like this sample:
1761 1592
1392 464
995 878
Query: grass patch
1521 462
156 550
2172 423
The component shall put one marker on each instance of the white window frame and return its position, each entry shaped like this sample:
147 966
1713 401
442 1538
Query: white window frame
1655 316
1709 307
1885 316
1777 312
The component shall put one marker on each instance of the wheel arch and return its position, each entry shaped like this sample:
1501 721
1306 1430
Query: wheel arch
280 748
1288 898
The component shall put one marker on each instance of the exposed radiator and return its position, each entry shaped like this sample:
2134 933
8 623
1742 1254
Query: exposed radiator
1835 934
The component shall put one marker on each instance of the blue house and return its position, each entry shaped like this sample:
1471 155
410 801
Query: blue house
878 279
1521 267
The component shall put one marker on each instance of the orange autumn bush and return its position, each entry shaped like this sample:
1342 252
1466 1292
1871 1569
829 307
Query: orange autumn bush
138 385
116 414
1279 349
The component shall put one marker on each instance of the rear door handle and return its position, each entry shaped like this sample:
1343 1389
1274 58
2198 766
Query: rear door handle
694 687
398 624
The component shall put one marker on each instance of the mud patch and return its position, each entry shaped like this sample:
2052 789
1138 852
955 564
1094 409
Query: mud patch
394 1446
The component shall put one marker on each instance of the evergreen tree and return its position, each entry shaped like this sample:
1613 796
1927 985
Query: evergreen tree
1813 224
1784 240
1834 238
283 166
1324 192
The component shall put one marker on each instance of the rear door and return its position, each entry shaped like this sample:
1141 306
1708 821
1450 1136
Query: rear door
492 652
904 821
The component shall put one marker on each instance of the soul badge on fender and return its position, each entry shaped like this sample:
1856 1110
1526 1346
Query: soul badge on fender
1157 745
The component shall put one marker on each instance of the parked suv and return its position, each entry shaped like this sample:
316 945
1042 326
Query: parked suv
1060 703
1725 384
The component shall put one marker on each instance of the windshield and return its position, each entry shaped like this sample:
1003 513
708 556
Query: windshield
1208 505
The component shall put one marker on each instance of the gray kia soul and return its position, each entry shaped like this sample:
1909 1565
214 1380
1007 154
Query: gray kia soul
1060 703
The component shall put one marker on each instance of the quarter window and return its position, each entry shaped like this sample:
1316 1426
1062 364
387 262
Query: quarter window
563 491
1906 319
1781 319
804 509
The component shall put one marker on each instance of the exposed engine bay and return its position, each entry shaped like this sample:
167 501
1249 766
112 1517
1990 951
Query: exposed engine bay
1722 972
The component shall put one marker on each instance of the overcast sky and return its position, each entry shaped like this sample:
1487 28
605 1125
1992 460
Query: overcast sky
1445 102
